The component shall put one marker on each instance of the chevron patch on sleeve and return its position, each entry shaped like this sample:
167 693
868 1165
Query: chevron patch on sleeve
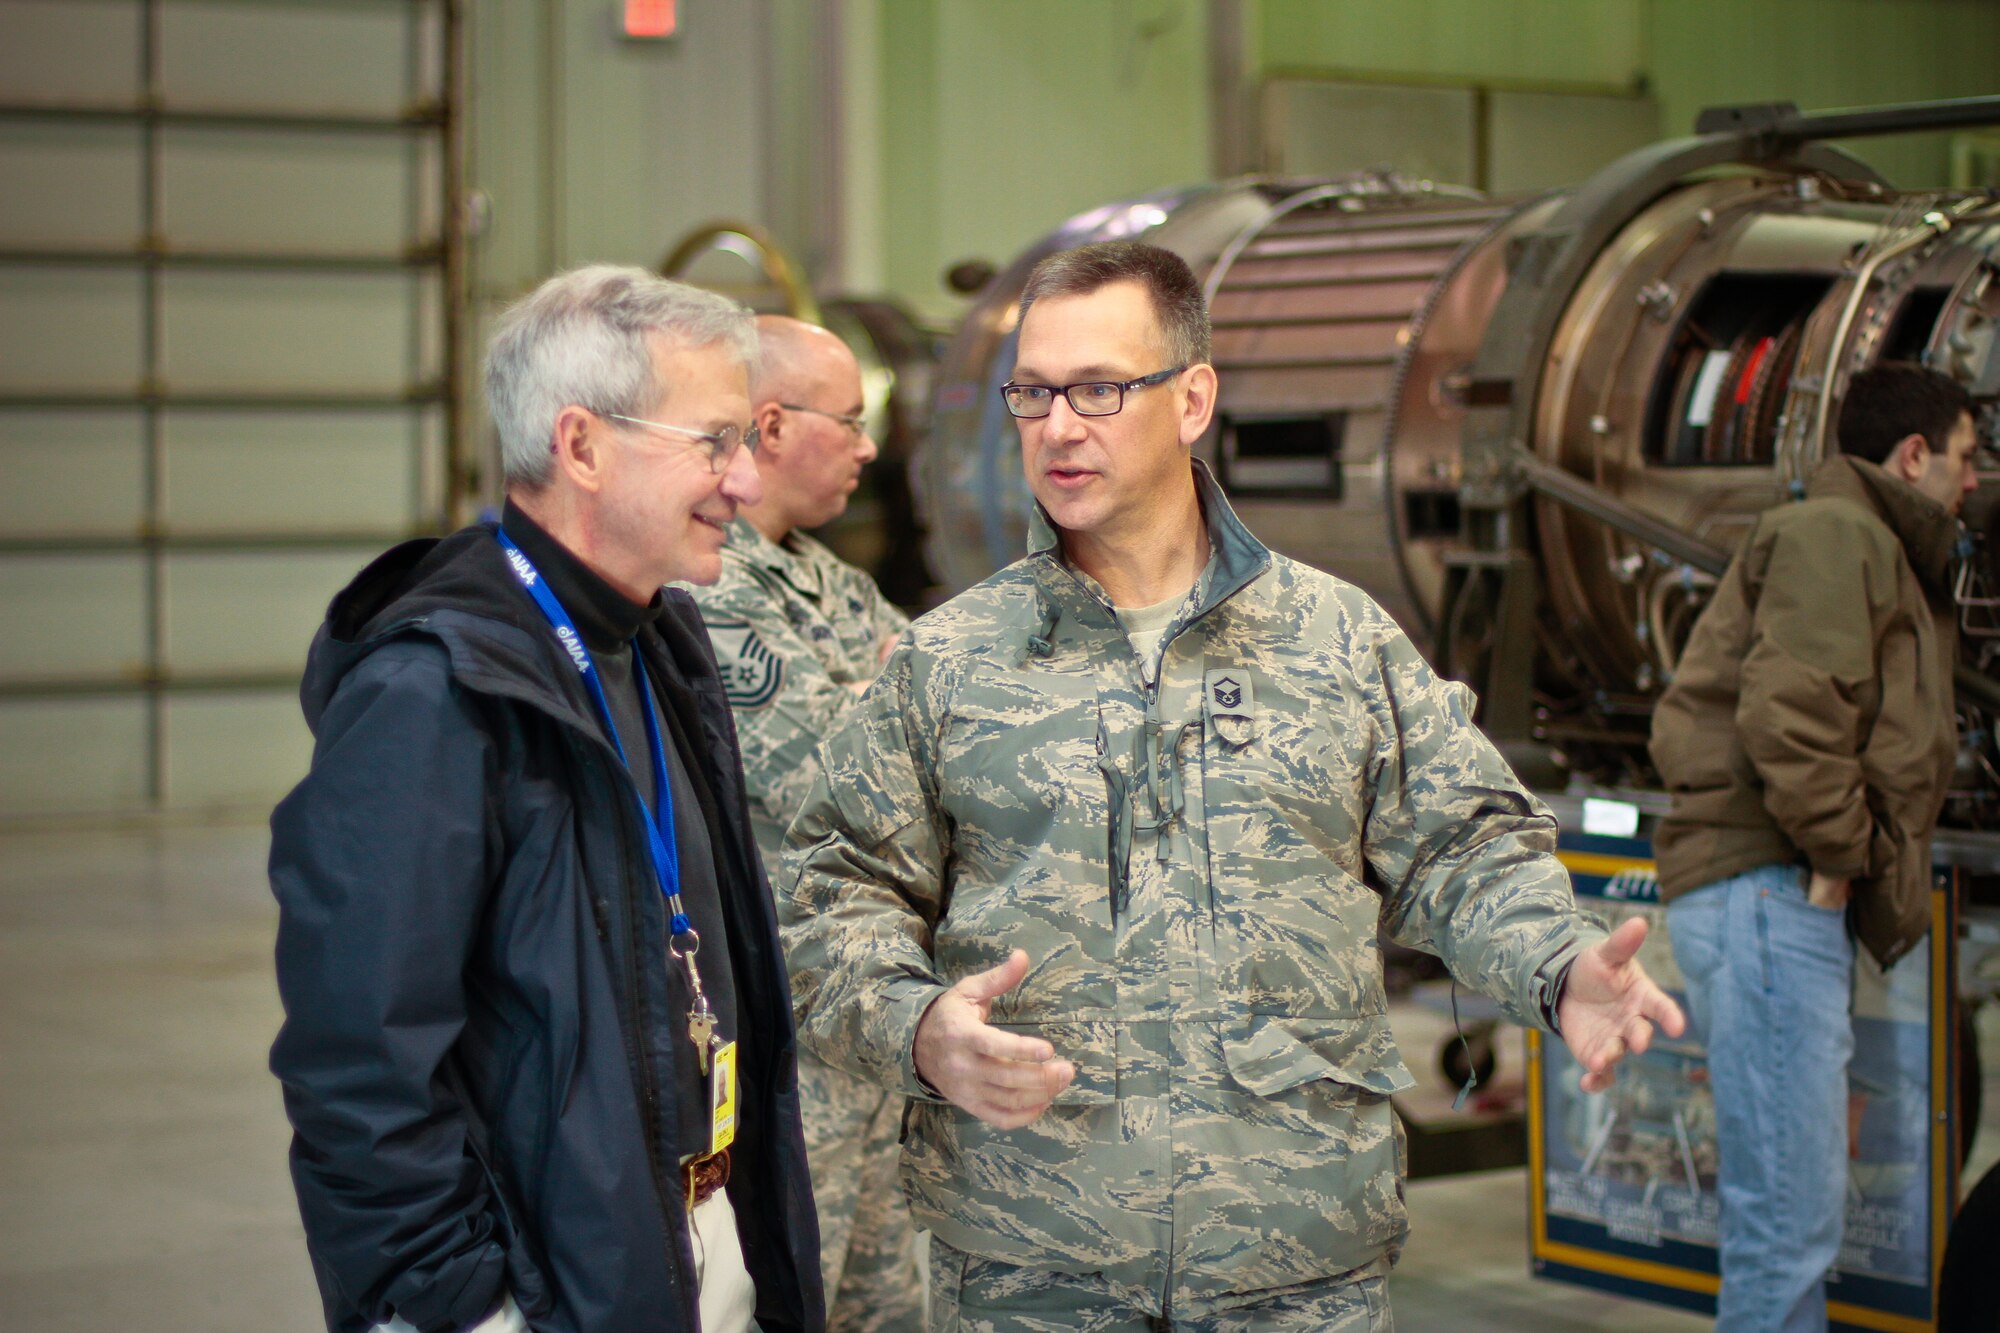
751 672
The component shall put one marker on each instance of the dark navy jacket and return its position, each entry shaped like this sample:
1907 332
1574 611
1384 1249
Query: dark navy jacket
471 952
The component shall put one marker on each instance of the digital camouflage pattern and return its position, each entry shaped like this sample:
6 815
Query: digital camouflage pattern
868 1245
796 629
1199 902
973 1295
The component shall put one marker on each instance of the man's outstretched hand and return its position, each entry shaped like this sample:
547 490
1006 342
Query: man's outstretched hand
1610 1006
1004 1079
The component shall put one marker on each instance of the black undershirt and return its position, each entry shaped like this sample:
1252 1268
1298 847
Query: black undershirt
608 620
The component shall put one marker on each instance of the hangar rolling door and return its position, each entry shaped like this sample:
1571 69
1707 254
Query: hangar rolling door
229 372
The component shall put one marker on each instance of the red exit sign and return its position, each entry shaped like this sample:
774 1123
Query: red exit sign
649 18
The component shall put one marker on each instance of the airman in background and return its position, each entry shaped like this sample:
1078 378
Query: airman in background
799 633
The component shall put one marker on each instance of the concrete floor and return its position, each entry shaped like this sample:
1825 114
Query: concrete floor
142 1142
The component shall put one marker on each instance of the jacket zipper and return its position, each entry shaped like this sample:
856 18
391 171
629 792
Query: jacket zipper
638 1044
1173 631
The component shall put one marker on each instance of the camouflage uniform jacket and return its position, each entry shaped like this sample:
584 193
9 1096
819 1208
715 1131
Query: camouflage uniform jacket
1200 904
795 627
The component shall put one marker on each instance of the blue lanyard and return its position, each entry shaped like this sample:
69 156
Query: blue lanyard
659 825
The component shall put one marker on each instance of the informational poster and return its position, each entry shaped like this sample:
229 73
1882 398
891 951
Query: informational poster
1623 1183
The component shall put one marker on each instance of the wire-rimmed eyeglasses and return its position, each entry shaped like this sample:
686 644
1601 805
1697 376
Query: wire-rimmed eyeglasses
721 444
1091 398
851 420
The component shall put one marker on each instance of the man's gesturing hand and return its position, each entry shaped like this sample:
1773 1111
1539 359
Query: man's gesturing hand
1610 1005
1004 1079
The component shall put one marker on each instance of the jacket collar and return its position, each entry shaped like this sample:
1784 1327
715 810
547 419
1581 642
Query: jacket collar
460 591
1928 531
1235 557
792 560
605 617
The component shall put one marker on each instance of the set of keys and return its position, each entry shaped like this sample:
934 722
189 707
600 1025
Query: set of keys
717 1058
701 1015
701 1029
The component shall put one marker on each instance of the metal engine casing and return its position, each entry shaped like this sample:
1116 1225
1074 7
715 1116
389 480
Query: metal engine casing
1679 329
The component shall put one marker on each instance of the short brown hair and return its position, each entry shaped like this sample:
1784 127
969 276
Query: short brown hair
1176 295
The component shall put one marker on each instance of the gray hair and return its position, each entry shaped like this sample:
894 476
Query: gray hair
582 338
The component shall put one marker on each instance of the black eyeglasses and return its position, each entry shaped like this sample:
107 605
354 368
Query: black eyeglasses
1094 398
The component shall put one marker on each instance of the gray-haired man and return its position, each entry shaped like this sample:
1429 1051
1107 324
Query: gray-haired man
536 1051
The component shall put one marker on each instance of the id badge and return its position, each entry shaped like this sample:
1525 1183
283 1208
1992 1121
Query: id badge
722 1098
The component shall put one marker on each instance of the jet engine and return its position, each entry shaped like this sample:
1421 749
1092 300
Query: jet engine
1535 428
1532 428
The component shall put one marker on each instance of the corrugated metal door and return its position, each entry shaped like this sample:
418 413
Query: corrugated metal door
228 352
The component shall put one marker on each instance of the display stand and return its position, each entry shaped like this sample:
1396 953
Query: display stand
1622 1184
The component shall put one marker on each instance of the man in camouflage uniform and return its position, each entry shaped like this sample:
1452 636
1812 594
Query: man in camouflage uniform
1095 872
798 634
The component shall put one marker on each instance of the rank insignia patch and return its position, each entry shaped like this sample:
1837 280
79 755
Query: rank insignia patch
751 672
1229 700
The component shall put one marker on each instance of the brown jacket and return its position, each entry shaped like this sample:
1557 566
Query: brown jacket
1810 719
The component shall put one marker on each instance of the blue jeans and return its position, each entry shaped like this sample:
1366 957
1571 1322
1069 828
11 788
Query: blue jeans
1769 985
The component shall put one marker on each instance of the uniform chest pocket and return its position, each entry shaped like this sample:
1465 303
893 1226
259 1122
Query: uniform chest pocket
1019 778
1284 795
1301 758
1018 775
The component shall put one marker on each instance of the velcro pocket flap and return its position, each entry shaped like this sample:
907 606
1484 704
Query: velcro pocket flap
1273 1053
1091 1047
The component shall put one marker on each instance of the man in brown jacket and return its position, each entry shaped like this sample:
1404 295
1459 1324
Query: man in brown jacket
1807 740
